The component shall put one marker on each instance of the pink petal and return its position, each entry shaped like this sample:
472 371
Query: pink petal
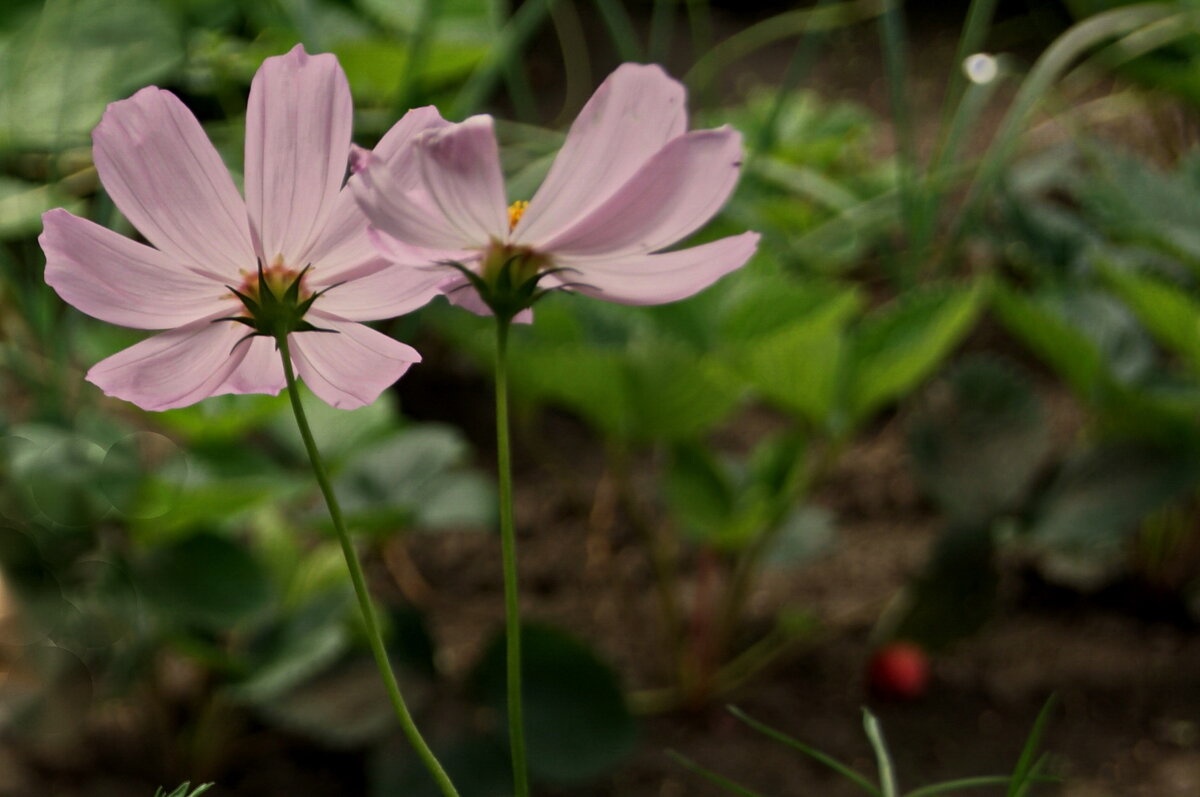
176 368
164 175
392 291
343 248
670 197
460 167
657 279
261 370
632 115
389 193
403 133
298 123
350 367
117 280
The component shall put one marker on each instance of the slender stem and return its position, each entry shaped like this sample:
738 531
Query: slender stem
508 541
360 585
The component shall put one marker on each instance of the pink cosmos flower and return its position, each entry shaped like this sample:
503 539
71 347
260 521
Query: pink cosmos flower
628 182
167 179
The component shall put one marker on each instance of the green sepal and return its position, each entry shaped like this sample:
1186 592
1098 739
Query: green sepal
272 315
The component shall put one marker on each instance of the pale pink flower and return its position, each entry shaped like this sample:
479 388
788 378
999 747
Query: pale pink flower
167 179
628 182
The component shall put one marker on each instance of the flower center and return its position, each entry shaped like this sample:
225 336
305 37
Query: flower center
274 301
277 277
515 211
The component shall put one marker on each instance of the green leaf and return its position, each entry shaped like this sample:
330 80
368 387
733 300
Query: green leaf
1099 497
1170 314
585 379
414 474
576 722
478 764
22 205
1069 352
675 394
337 432
901 345
977 440
698 491
206 579
64 64
787 341
345 706
955 593
802 534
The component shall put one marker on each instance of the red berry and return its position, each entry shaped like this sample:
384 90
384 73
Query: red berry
899 670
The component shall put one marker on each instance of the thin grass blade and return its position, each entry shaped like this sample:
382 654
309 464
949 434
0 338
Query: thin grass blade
887 772
1028 766
829 761
712 777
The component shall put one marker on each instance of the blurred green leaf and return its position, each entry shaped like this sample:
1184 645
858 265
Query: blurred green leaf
900 345
1099 497
64 64
337 432
698 491
1070 353
576 722
977 440
955 593
479 765
206 579
22 205
802 534
1170 314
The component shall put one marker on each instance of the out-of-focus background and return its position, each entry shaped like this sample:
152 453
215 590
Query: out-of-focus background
953 400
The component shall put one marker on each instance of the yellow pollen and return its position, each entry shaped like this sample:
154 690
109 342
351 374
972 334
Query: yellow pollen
515 211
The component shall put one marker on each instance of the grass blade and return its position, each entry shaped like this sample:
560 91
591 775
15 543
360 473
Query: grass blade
887 773
1046 71
1027 766
712 777
662 23
773 29
817 755
507 50
620 29
801 63
979 782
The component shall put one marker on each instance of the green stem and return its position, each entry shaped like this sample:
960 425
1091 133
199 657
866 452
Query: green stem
360 584
508 541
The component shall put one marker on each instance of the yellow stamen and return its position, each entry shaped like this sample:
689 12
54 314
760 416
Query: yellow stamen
515 211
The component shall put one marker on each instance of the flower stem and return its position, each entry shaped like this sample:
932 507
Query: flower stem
360 585
508 541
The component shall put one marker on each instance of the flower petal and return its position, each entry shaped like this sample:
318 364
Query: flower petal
349 367
115 279
389 193
394 290
166 178
298 123
261 370
671 196
343 248
460 167
657 279
176 368
632 115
